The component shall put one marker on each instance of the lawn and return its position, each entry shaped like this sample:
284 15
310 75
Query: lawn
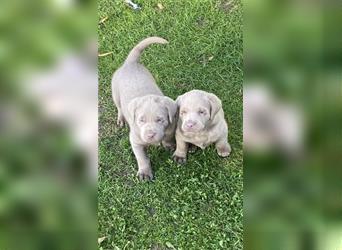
197 205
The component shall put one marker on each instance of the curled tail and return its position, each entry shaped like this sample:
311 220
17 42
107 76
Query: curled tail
135 53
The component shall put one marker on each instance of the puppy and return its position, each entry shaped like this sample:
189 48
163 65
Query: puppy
201 122
140 103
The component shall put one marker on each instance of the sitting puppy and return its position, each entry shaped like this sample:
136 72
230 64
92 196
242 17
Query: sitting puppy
140 103
201 122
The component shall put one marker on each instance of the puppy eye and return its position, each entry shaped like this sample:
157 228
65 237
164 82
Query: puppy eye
159 120
201 112
183 112
142 120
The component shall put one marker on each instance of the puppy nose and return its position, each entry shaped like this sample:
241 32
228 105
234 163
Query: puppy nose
190 124
151 134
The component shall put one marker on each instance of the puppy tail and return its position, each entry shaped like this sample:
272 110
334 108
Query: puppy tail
135 53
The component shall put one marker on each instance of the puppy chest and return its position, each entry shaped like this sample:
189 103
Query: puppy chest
200 141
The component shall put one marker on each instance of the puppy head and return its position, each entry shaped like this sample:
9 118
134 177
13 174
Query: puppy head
197 109
151 115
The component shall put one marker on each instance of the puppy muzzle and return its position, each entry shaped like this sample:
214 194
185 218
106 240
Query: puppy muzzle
192 126
152 136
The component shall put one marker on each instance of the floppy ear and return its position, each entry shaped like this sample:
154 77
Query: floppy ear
179 100
132 107
171 107
215 105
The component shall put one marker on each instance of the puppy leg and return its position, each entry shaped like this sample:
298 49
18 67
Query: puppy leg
144 165
223 148
121 120
179 155
169 143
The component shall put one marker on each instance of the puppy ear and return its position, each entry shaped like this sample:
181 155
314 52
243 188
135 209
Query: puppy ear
215 105
179 100
171 107
132 107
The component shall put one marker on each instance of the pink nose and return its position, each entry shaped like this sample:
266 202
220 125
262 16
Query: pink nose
150 135
190 124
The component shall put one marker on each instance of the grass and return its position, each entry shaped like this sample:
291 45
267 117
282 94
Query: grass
198 205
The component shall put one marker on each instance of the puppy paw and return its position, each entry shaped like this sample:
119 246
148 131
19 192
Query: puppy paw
224 151
145 175
179 159
192 148
169 146
120 123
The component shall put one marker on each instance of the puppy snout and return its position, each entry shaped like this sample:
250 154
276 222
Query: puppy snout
151 134
190 124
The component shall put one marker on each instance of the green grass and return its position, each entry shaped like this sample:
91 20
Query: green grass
198 205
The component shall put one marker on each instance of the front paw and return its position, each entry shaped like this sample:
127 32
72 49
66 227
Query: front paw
169 146
179 159
120 123
192 148
224 151
145 175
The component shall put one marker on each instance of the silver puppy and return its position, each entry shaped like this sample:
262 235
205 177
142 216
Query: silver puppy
201 122
140 103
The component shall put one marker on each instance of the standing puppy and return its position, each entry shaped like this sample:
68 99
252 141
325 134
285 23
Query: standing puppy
140 103
201 122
